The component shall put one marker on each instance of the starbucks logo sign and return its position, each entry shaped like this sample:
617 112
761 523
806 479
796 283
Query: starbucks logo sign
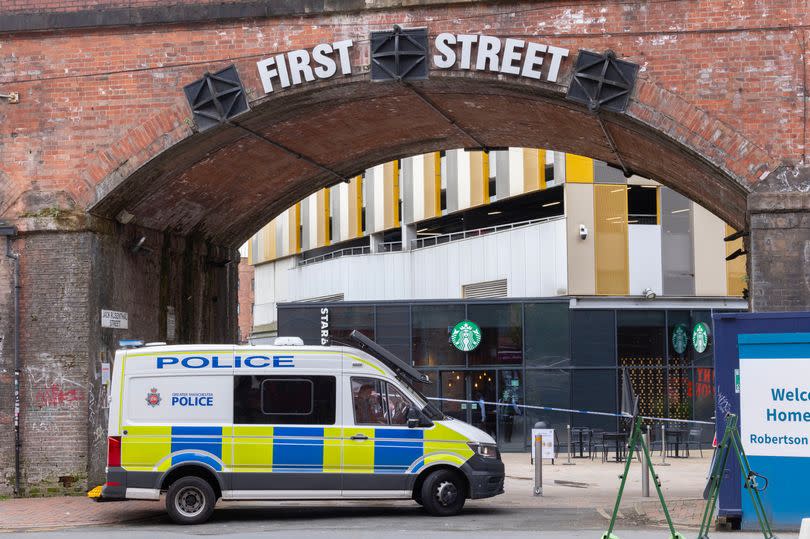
700 337
680 338
466 336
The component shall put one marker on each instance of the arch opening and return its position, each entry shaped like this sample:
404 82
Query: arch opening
224 184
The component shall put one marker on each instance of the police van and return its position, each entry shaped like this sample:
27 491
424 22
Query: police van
286 422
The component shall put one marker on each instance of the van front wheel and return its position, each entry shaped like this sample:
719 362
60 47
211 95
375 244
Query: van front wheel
443 493
190 500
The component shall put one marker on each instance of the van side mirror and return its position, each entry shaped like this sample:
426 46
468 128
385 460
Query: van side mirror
417 419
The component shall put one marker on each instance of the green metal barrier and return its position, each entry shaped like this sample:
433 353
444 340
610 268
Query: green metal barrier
638 440
731 439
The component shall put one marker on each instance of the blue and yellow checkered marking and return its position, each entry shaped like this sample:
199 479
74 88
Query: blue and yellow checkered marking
197 444
395 450
298 449
266 448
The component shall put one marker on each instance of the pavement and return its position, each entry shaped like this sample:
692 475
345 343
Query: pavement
576 497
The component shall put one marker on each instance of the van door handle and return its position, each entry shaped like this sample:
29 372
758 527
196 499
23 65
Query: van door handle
359 437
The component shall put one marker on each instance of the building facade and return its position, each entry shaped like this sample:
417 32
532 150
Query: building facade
572 272
565 353
514 223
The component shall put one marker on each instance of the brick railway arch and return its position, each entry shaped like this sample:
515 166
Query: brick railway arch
719 113
225 183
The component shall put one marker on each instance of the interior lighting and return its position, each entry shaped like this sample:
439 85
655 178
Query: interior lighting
680 211
494 213
649 186
547 204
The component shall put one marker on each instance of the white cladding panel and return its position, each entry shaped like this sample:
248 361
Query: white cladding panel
645 259
532 259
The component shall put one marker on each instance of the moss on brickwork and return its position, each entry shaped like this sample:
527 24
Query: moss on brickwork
71 484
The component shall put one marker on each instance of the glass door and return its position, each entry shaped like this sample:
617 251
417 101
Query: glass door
511 418
452 385
481 390
477 388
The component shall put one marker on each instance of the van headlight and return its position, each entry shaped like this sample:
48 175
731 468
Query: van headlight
488 451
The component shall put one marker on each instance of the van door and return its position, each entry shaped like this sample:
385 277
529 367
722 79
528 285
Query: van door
380 452
287 423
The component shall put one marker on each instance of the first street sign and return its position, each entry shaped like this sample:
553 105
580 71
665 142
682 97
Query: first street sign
472 52
509 56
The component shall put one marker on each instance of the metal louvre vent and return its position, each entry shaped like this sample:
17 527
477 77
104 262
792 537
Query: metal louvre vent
216 98
399 54
486 289
601 81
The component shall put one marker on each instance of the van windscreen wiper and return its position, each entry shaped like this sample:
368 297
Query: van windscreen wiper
387 357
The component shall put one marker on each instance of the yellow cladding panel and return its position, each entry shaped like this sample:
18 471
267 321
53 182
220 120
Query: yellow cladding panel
332 440
355 207
295 228
322 217
272 247
358 455
327 213
391 195
578 169
479 183
437 193
736 274
395 193
144 446
485 175
252 448
534 169
432 178
541 168
611 240
265 237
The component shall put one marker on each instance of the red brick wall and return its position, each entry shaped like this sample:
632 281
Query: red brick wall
96 104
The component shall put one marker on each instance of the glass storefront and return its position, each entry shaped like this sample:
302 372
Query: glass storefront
538 353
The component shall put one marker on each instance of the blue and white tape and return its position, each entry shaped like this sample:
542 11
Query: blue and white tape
572 411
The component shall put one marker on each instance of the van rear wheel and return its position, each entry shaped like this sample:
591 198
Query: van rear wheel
443 493
190 500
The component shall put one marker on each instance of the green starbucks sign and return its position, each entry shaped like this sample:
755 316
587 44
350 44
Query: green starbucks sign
700 337
466 336
680 338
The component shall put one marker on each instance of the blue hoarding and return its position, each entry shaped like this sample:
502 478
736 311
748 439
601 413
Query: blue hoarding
768 344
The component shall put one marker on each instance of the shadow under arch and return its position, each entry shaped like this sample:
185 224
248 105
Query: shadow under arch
224 184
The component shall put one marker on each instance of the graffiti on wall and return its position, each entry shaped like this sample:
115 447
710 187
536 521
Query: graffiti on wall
52 388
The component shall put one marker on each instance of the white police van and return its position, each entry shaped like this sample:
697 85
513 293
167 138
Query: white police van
286 422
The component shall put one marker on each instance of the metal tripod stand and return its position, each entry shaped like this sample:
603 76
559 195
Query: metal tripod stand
636 439
731 438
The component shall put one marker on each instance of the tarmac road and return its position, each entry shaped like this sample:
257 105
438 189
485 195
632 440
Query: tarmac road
401 520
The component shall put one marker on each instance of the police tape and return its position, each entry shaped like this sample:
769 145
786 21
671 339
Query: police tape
573 411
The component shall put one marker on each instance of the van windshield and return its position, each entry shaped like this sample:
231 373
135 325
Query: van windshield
431 411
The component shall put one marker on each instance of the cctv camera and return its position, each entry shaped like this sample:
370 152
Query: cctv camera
583 232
